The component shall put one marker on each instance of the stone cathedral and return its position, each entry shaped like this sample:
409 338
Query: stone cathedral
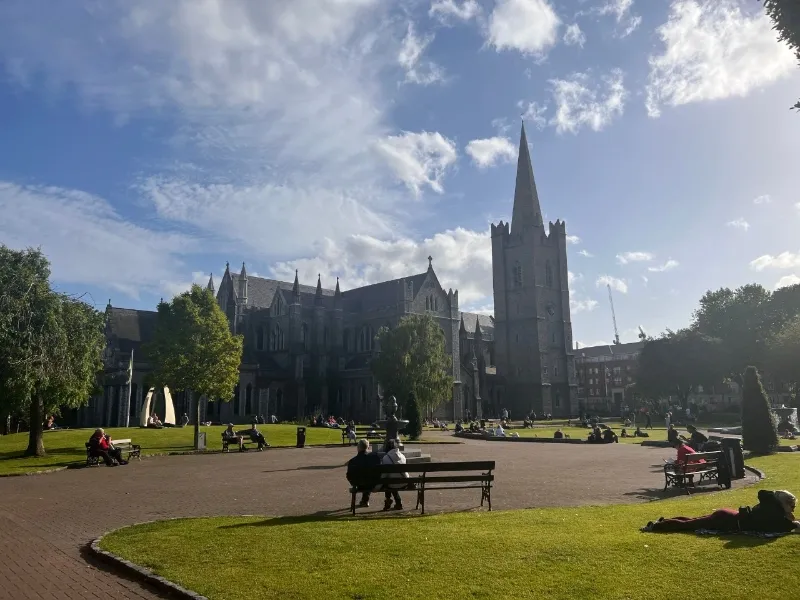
307 349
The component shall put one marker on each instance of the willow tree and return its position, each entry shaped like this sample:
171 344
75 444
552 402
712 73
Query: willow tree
193 349
51 344
413 362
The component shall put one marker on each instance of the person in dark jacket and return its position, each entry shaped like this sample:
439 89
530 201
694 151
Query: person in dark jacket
100 446
774 513
698 440
355 467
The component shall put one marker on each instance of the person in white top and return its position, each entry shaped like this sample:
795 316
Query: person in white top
498 432
394 457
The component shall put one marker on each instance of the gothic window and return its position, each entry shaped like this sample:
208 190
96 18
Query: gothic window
248 400
346 340
304 334
557 400
260 338
363 397
555 371
548 274
276 338
427 303
517 274
544 369
436 304
325 336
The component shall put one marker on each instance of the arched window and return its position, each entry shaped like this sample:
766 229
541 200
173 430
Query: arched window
346 340
325 336
276 338
248 400
548 274
260 338
436 304
517 274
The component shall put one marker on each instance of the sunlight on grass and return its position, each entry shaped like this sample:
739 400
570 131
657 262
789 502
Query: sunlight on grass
554 553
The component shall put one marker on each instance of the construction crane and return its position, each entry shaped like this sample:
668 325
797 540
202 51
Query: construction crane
642 334
613 315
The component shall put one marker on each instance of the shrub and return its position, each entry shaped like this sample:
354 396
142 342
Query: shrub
414 427
759 433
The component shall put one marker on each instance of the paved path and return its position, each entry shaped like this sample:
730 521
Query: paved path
46 520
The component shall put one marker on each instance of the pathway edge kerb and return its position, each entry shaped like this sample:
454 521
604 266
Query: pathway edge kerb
757 472
142 573
29 473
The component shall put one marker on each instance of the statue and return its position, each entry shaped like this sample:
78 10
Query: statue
392 424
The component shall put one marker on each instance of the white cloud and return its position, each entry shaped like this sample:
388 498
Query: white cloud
621 9
581 102
530 26
446 10
629 257
418 70
573 278
533 112
739 223
573 36
462 260
763 199
586 253
784 260
616 284
787 280
419 159
88 242
797 206
645 279
573 239
667 266
713 50
491 151
577 306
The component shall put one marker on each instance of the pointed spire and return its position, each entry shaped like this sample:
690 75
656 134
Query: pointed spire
463 327
243 274
210 286
478 332
430 263
527 211
318 294
296 286
337 292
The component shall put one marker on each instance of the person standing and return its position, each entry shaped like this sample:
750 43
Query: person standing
649 421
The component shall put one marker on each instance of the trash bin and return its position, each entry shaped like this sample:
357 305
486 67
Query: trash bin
732 447
301 437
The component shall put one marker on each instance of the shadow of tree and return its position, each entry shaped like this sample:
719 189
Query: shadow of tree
307 468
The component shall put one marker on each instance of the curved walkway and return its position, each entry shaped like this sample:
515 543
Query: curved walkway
46 520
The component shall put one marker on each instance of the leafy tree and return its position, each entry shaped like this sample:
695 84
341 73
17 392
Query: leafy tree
51 345
759 431
784 351
785 15
413 360
677 363
193 349
414 427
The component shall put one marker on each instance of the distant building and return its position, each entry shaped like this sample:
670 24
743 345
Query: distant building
604 373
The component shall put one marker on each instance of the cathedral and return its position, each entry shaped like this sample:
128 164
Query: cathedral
307 349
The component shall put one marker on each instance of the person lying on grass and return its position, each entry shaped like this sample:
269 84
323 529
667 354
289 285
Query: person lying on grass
774 513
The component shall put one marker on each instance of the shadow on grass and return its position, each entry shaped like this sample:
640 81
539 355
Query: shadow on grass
661 494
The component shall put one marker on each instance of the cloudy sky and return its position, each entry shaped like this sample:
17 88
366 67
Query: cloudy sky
144 143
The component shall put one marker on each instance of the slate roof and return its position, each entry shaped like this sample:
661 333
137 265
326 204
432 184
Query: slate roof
486 321
377 295
131 328
261 292
608 350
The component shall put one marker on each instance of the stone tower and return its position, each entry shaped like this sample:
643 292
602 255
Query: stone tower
533 330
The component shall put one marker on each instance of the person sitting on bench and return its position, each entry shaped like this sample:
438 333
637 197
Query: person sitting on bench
684 453
100 446
230 436
393 456
774 513
355 467
258 437
698 440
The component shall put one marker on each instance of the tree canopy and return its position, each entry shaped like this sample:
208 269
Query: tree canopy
51 345
784 356
413 360
785 15
194 350
677 363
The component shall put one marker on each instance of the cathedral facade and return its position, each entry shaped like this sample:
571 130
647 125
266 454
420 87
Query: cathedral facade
307 349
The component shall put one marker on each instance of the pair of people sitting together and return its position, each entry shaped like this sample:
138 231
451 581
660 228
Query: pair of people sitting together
237 437
100 446
360 477
599 436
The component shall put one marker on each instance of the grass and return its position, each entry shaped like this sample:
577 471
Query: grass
66 447
548 554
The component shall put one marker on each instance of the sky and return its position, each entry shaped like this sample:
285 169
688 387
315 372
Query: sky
144 143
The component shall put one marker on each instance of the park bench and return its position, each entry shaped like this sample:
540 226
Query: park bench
432 476
226 441
133 450
683 475
364 432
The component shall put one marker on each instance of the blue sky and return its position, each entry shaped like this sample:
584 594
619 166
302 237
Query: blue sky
145 143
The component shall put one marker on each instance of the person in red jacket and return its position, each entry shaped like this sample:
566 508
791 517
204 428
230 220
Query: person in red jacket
100 445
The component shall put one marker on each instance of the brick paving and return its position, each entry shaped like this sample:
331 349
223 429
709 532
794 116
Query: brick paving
47 520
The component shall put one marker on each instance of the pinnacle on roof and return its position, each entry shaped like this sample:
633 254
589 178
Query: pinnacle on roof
478 332
318 295
337 292
430 263
210 286
527 211
243 274
296 286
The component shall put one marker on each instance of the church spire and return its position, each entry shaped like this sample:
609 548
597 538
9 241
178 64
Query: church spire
210 286
296 288
527 212
318 295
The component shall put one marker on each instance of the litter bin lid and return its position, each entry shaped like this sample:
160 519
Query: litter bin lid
300 429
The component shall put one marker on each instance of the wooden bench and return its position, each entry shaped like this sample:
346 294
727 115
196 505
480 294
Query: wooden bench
364 432
226 441
431 476
133 450
683 475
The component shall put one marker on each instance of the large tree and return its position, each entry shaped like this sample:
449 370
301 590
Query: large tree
413 360
759 431
784 357
51 345
785 15
677 363
194 350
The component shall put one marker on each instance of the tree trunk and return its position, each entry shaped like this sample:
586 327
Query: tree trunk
196 400
35 442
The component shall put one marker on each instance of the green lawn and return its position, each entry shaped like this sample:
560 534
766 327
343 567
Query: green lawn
581 433
547 554
66 447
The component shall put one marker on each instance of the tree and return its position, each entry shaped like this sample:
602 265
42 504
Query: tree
677 363
785 15
413 360
193 349
783 353
414 428
51 344
759 431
